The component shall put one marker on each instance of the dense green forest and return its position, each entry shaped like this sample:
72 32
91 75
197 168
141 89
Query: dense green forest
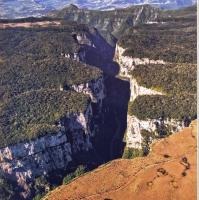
35 113
177 82
165 46
23 73
32 70
153 107
171 40
40 42
175 79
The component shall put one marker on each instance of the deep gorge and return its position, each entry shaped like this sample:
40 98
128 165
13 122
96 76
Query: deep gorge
100 83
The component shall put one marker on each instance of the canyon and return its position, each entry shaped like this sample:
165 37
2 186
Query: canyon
100 130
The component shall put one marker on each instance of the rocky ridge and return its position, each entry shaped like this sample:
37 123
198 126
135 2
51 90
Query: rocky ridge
131 55
134 138
69 135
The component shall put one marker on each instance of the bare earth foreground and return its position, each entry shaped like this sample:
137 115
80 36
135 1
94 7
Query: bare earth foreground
168 173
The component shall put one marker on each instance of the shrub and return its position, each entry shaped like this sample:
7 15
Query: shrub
130 153
36 113
174 107
67 179
78 172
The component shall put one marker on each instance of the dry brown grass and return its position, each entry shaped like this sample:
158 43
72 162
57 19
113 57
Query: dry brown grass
154 177
29 24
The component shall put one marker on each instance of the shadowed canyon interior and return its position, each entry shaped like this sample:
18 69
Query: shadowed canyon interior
80 88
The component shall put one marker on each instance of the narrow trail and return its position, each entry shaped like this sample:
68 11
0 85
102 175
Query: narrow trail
133 177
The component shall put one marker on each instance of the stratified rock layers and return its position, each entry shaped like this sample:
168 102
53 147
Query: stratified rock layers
26 160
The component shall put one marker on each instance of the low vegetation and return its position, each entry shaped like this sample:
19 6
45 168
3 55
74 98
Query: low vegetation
35 114
78 172
175 107
171 40
130 153
173 79
41 186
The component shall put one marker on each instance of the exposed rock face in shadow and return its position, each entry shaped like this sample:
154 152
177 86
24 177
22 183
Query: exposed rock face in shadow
168 172
108 142
113 120
101 54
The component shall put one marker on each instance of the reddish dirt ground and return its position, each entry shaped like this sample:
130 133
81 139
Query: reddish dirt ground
167 173
29 24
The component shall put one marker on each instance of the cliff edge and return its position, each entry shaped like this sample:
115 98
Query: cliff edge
168 172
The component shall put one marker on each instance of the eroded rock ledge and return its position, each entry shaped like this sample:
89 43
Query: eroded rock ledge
24 161
135 126
94 88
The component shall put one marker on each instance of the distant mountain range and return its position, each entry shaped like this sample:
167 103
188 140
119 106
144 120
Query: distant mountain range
25 8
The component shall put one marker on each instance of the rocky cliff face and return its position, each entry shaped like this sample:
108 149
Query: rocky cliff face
112 21
95 89
134 138
168 172
127 63
135 126
137 90
26 160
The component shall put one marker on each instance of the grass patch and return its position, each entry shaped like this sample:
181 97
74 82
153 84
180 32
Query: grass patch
78 172
130 153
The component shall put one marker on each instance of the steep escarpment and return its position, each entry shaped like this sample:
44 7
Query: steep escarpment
162 77
33 146
110 23
47 100
60 111
163 174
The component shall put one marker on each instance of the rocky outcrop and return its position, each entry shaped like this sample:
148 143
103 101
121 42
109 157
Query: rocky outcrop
128 63
135 126
112 20
94 88
137 90
79 130
24 161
